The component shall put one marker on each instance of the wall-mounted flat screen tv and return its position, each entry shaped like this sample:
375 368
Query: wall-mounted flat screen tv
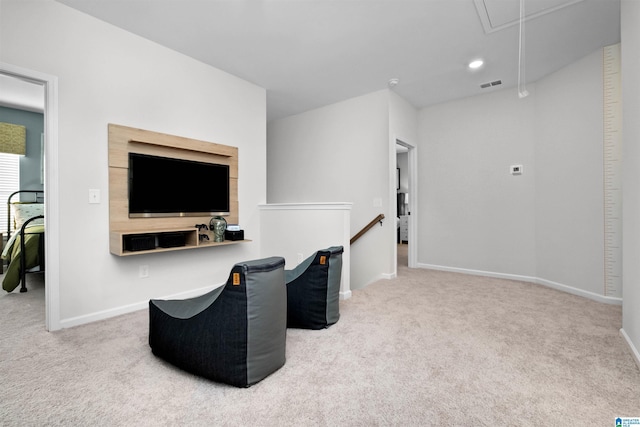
167 187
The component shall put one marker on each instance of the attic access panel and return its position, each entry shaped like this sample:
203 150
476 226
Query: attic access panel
497 15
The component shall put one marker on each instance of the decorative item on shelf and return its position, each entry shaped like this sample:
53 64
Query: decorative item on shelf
203 232
218 225
233 233
172 239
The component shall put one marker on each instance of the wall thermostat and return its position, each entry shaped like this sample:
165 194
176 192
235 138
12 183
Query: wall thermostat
516 169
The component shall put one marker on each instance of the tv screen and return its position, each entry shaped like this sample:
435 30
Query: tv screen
164 187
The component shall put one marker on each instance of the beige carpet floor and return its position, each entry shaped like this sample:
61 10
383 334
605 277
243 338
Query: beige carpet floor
428 348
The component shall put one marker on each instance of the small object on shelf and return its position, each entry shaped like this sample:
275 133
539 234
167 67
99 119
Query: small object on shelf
233 227
218 225
171 240
139 242
203 233
234 235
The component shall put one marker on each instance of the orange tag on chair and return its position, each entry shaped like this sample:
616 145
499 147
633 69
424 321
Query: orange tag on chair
236 279
323 260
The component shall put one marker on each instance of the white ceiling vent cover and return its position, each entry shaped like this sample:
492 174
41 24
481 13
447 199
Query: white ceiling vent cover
491 84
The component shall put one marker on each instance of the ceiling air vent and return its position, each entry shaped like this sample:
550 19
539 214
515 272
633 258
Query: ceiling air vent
490 84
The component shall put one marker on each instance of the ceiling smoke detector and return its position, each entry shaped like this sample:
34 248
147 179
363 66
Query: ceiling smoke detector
393 82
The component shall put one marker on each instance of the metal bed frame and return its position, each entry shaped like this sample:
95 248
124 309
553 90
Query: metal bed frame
38 197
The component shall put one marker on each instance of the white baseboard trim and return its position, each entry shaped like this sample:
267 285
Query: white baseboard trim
580 292
477 272
632 348
117 311
129 308
529 279
345 294
381 276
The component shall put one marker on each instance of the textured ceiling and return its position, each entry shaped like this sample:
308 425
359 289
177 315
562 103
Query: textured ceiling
311 53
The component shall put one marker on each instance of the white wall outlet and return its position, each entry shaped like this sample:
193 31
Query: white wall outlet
515 169
144 271
94 196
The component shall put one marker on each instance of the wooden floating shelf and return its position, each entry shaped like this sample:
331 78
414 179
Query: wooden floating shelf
125 140
117 238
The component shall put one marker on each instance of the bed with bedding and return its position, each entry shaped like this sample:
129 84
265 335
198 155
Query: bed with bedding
24 251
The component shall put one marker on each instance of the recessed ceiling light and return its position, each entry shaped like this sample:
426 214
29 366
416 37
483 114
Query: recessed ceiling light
476 63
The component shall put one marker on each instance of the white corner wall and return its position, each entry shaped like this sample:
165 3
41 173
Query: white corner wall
630 24
544 226
297 231
473 214
569 185
339 153
107 75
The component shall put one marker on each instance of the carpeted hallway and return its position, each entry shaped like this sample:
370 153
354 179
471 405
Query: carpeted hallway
427 348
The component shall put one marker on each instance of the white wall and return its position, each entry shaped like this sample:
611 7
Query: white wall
107 75
473 214
339 153
403 120
545 225
569 176
296 231
631 179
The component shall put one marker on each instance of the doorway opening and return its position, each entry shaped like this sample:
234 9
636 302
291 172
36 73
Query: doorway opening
406 204
48 86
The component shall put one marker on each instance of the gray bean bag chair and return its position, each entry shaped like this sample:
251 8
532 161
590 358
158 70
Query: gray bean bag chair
313 290
234 334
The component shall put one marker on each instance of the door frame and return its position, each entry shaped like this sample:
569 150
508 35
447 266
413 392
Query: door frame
413 201
51 187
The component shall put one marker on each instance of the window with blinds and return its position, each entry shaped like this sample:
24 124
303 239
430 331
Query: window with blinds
9 182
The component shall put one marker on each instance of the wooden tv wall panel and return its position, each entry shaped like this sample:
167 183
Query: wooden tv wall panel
124 140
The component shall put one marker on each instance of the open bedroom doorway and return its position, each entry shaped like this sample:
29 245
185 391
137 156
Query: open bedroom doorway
406 194
19 86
